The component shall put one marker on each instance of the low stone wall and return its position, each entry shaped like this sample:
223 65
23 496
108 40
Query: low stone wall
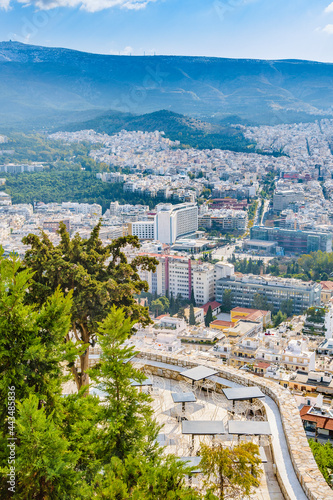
309 476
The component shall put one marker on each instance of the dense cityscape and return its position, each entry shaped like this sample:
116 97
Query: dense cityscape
166 250
231 284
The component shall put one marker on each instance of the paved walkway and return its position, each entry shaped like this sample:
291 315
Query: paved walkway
282 457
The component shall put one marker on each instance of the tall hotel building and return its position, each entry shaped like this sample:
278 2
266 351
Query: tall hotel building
168 223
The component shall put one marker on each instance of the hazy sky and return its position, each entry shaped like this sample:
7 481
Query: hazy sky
265 29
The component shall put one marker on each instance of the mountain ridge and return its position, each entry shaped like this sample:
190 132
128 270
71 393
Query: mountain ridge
50 84
4 44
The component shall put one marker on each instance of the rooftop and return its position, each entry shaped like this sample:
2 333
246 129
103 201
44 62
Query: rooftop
213 305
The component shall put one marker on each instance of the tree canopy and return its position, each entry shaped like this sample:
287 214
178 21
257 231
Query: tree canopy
98 277
191 316
230 472
31 337
73 446
227 299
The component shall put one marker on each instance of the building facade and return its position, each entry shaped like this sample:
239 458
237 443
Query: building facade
174 221
275 290
179 275
296 241
169 223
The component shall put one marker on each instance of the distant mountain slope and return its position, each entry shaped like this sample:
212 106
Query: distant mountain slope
112 122
189 131
38 83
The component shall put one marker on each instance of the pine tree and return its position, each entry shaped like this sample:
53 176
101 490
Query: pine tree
127 425
32 346
227 299
172 310
157 307
261 302
137 478
278 318
98 277
31 338
46 468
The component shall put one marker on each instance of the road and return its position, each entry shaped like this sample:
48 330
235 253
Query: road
224 253
265 209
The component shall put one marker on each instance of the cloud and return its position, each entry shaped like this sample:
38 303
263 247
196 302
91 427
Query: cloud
328 29
329 8
4 4
88 5
124 52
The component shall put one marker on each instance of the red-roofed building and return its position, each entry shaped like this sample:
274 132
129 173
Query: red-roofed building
326 291
253 315
214 305
317 420
260 367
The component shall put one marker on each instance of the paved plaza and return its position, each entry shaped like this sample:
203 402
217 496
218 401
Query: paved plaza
208 407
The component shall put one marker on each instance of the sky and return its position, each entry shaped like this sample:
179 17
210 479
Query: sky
256 29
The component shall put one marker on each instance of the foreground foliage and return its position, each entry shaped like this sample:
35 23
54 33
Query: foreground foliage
323 454
98 277
73 447
82 446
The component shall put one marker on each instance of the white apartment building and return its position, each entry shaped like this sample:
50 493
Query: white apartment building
297 356
282 199
203 283
144 230
179 275
83 208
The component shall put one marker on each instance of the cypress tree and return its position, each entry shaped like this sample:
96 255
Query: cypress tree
192 317
192 300
209 316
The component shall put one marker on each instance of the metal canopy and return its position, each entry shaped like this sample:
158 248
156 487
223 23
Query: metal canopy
249 428
199 373
202 427
183 397
127 360
242 393
148 382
